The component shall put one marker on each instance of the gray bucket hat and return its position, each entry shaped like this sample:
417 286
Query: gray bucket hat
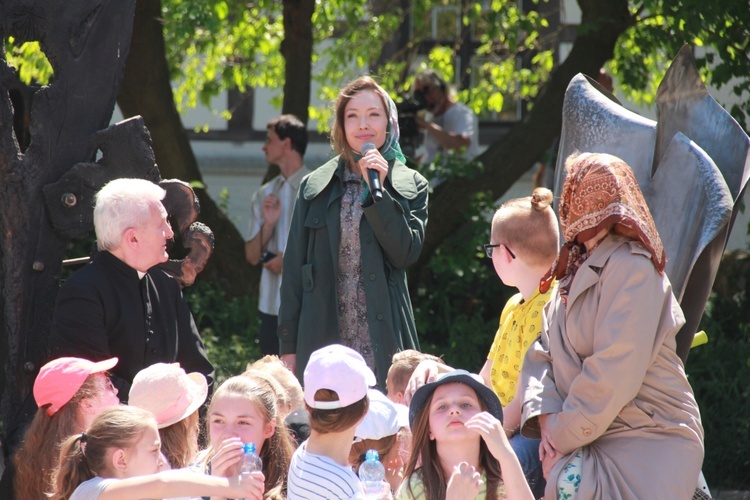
487 395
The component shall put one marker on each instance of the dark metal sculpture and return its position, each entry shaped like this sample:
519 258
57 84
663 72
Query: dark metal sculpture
692 165
46 190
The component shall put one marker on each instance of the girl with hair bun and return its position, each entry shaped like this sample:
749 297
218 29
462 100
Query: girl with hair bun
523 246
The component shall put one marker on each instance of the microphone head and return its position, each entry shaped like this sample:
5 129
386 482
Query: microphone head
367 147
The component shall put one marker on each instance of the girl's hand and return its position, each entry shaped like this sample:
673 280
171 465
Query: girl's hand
373 160
227 457
465 482
548 453
426 372
248 486
493 434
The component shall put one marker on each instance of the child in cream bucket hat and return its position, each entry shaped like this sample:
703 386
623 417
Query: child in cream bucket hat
174 398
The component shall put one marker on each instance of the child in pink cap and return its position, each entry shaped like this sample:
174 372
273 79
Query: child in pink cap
336 381
69 392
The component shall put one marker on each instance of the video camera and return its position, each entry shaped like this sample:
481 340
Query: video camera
407 112
407 122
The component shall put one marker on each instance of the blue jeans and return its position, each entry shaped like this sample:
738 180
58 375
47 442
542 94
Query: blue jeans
527 451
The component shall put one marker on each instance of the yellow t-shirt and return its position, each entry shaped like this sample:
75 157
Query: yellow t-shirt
520 325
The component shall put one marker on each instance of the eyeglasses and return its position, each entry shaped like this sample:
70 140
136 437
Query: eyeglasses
489 247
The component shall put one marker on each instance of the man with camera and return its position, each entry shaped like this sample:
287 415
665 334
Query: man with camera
454 127
270 215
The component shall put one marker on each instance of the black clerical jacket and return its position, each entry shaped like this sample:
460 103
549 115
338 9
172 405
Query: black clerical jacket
104 310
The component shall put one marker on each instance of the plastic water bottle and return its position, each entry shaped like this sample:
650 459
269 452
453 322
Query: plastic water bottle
372 474
250 461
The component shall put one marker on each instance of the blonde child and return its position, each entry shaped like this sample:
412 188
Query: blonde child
174 398
296 418
523 246
119 457
459 449
403 365
273 365
243 410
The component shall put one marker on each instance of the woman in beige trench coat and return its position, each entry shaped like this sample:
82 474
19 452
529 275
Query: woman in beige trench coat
604 388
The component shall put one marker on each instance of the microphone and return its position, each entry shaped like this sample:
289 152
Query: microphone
372 175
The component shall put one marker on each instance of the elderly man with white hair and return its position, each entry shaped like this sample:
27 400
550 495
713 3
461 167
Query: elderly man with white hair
121 305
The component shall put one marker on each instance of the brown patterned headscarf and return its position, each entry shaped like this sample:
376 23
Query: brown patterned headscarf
601 191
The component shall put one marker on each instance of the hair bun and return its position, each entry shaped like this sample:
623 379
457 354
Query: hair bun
541 198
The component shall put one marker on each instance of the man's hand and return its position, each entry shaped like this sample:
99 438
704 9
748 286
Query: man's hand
290 360
274 265
271 210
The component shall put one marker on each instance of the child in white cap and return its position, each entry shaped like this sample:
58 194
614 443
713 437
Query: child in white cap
384 429
336 381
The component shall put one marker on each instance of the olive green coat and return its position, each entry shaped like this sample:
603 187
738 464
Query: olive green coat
391 236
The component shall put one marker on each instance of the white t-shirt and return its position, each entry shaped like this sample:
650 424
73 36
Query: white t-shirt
458 119
286 190
317 477
91 489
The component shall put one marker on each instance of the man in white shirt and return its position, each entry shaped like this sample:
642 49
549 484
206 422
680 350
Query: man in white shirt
454 128
270 215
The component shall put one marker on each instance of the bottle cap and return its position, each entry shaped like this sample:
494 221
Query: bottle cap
372 455
249 448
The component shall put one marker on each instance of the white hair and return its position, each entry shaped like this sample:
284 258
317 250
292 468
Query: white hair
122 204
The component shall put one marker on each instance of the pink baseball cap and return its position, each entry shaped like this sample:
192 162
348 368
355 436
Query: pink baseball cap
337 368
60 379
168 392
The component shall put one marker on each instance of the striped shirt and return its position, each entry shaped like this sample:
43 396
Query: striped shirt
286 190
317 477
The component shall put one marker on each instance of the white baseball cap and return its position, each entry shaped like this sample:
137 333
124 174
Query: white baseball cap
383 418
340 369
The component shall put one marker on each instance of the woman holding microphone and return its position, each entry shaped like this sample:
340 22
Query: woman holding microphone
359 222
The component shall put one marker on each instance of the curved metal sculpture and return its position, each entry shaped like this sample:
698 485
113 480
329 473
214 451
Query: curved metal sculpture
692 165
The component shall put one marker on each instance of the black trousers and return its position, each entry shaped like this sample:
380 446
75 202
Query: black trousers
267 337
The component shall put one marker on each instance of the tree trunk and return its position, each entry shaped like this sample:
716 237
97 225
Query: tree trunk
506 160
146 91
297 49
86 42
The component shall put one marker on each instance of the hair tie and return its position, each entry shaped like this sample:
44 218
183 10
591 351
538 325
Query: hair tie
83 438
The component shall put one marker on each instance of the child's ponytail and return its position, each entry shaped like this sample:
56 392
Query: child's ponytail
73 469
86 455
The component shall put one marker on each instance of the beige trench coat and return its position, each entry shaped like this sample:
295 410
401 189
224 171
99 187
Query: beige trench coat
607 372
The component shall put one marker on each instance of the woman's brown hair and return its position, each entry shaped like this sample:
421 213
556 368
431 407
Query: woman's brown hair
424 452
37 457
528 226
